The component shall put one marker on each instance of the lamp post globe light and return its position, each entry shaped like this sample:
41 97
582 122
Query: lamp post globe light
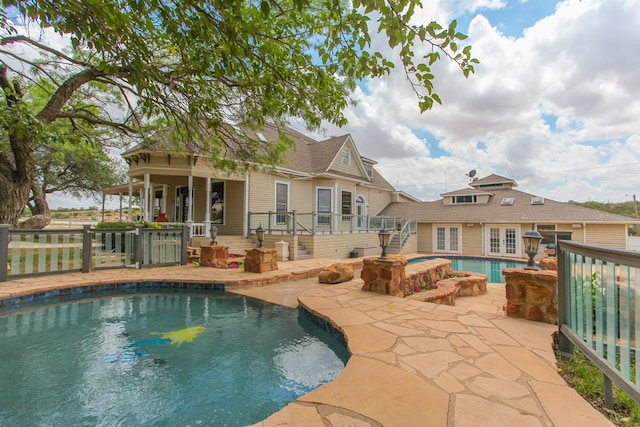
384 236
260 235
531 244
214 233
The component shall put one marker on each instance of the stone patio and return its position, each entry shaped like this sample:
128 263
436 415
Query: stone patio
413 363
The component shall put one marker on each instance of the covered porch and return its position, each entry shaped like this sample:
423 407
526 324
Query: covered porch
197 201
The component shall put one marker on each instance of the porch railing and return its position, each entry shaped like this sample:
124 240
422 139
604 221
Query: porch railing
598 295
318 223
37 252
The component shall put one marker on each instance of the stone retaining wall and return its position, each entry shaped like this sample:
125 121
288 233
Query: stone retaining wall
429 281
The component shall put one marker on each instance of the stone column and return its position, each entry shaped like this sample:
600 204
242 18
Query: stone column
214 256
532 294
261 260
384 275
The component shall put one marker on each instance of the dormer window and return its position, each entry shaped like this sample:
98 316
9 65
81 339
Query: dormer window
346 156
535 200
465 199
507 201
369 170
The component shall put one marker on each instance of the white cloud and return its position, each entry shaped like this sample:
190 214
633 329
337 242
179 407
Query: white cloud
556 109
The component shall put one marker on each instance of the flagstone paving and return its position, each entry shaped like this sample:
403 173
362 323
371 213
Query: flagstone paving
412 364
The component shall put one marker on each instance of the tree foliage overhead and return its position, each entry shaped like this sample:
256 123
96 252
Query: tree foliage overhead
194 66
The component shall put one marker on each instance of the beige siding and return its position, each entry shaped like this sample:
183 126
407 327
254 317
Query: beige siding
613 236
261 190
471 240
411 245
425 237
376 199
233 209
338 246
353 168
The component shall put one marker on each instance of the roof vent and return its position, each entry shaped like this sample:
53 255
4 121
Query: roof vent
508 201
535 200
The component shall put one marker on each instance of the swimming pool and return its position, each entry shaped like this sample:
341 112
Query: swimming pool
158 357
491 267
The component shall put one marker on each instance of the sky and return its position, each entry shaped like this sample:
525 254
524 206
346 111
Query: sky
554 104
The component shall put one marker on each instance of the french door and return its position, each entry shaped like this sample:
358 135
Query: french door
502 241
447 239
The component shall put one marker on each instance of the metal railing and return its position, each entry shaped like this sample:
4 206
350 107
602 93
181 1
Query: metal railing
317 223
37 252
598 295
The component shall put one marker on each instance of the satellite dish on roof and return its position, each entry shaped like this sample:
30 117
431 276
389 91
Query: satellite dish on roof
471 173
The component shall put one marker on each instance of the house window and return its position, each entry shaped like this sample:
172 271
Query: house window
465 199
217 202
346 156
369 170
346 199
324 205
282 202
548 233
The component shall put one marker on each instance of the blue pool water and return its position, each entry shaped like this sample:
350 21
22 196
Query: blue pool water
128 359
490 267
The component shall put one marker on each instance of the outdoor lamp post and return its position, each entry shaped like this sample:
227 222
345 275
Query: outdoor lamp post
531 244
214 233
260 235
384 236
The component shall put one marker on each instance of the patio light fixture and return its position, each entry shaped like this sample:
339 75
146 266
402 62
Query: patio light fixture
214 233
260 235
384 236
531 244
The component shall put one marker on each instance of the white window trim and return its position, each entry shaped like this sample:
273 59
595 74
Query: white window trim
275 195
332 201
446 227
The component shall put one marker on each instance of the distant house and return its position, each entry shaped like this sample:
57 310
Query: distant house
489 217
323 200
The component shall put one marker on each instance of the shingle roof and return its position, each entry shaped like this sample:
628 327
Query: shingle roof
521 211
493 179
308 155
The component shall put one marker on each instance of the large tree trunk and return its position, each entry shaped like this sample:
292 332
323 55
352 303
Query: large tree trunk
40 213
13 198
16 173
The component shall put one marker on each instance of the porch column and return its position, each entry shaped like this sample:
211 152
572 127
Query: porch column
165 189
147 204
120 210
142 204
190 201
152 202
245 225
207 211
130 213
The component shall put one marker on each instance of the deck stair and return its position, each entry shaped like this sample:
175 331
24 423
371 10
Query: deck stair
303 252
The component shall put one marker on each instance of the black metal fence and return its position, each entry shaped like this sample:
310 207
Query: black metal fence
36 252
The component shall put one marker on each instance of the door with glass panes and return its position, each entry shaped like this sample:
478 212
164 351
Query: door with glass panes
502 241
447 239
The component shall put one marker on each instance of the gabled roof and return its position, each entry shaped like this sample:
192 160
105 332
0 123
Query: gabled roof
492 180
308 157
494 212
